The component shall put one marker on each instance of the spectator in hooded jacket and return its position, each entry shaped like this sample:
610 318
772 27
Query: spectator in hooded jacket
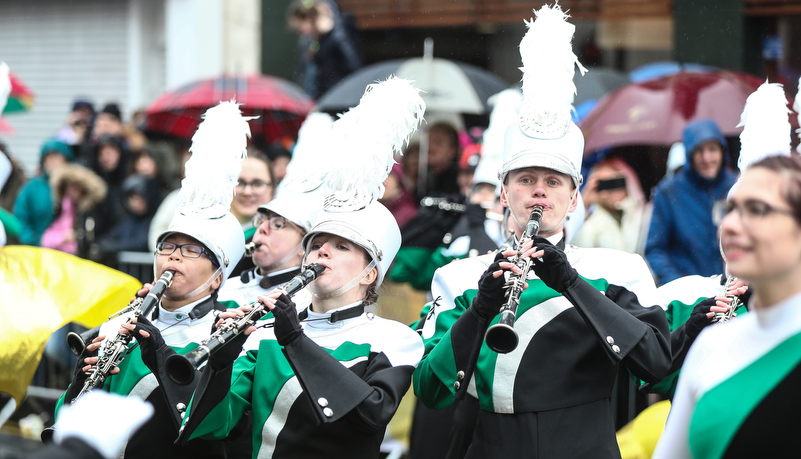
141 198
687 207
34 206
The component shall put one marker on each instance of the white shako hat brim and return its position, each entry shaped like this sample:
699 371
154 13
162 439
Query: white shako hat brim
223 236
297 205
373 228
562 153
545 135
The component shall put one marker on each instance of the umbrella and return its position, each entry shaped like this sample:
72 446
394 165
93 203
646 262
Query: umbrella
655 112
596 83
656 70
281 106
448 86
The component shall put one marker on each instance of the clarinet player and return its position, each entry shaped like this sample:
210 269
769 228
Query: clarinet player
581 316
201 246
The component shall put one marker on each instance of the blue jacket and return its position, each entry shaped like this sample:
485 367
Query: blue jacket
682 238
34 209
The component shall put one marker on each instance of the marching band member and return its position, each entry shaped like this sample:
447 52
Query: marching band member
581 315
201 246
327 381
282 223
754 358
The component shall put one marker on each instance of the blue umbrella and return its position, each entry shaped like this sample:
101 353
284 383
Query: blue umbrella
665 68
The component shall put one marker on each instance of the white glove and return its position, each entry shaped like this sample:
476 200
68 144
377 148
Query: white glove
103 420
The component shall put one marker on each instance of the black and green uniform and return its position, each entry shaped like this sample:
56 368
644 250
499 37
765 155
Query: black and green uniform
182 330
738 391
550 397
331 393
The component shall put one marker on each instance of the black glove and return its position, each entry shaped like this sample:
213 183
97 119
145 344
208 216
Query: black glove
227 353
490 291
553 268
287 323
698 319
150 345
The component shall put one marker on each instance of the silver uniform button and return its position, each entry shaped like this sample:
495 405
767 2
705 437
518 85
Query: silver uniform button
457 385
180 407
370 315
328 412
610 340
460 375
183 414
322 401
616 349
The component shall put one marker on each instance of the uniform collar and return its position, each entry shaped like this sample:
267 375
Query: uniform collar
194 310
337 315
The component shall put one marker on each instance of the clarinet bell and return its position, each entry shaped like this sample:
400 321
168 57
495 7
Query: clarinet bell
77 342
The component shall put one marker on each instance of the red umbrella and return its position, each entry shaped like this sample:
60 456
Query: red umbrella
655 112
280 105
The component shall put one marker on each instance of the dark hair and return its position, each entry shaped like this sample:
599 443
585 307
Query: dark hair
789 169
371 296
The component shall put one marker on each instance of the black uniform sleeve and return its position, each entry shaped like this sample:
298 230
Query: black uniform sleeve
634 335
336 392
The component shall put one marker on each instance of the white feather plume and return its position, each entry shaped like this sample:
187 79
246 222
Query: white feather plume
5 85
364 141
548 68
505 112
797 108
766 126
218 148
311 156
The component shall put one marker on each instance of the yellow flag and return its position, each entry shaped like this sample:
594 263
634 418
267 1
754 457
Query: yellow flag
42 290
638 438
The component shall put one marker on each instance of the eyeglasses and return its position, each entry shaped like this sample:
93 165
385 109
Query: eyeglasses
276 222
753 210
256 185
187 250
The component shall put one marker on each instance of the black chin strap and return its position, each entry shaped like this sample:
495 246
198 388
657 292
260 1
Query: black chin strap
336 316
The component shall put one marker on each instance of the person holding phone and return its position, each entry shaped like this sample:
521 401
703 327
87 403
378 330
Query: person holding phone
616 209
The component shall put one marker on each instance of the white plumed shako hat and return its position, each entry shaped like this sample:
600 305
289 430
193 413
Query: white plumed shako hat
218 148
545 135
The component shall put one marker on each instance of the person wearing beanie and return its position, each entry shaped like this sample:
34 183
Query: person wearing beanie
687 207
34 205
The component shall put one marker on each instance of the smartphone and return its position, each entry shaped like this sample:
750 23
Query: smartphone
611 184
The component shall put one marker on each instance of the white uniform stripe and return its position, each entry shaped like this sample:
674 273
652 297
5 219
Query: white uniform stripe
526 326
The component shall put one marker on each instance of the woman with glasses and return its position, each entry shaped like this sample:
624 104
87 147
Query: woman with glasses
202 244
253 188
280 225
738 393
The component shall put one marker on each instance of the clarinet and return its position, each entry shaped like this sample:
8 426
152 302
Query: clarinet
115 349
502 337
735 303
251 247
181 368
